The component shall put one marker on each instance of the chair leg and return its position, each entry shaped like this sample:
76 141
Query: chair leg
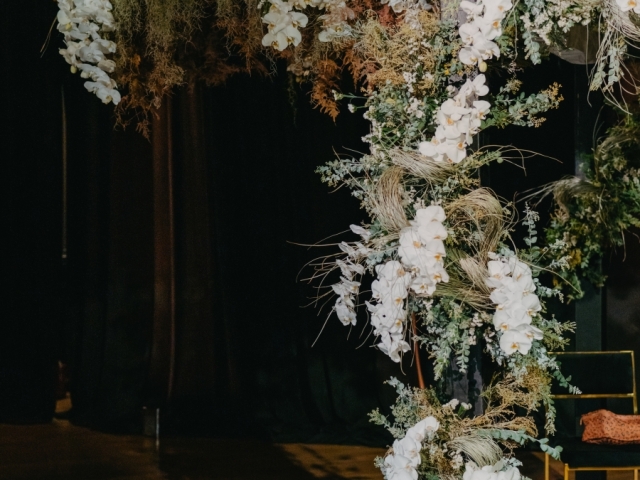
546 467
566 471
635 474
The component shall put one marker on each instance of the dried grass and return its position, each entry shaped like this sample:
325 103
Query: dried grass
422 167
385 52
480 221
387 201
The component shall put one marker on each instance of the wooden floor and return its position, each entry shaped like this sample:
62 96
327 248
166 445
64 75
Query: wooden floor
62 451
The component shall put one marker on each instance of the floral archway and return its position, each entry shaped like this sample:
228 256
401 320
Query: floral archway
446 272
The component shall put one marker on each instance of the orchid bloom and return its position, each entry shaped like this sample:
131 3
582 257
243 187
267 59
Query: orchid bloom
515 340
471 9
393 346
363 232
432 213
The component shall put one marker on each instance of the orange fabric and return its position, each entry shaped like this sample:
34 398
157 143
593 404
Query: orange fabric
603 426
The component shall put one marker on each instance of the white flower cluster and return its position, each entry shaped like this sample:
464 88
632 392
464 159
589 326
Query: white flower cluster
282 25
81 22
458 119
422 254
399 6
516 302
347 289
484 24
283 22
491 472
402 463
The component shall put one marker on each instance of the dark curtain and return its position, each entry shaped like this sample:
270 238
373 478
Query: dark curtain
30 213
183 264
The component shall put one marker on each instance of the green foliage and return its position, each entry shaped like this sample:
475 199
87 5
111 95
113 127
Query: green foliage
592 214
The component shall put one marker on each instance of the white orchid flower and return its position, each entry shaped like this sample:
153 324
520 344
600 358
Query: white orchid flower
94 73
490 27
387 318
394 346
91 54
409 448
503 297
487 49
439 274
478 85
471 9
435 251
275 21
626 5
345 314
423 285
427 426
428 149
454 151
107 65
510 317
361 250
103 92
335 31
351 286
392 271
531 303
70 53
480 109
468 31
510 474
298 20
380 288
432 213
432 231
280 6
502 6
392 293
524 283
534 333
400 468
348 268
410 249
450 112
467 128
277 40
294 37
470 55
363 232
64 17
398 292
498 271
518 268
515 340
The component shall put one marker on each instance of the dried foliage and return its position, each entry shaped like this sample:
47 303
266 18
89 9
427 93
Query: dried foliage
384 53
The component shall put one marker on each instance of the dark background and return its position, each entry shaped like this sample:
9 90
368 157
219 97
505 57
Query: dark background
179 288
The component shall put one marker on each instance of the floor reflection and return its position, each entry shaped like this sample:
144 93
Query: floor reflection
63 451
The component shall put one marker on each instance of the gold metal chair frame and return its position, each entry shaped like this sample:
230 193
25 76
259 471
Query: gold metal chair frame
633 396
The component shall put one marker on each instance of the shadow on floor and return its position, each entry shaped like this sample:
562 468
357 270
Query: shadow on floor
61 451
